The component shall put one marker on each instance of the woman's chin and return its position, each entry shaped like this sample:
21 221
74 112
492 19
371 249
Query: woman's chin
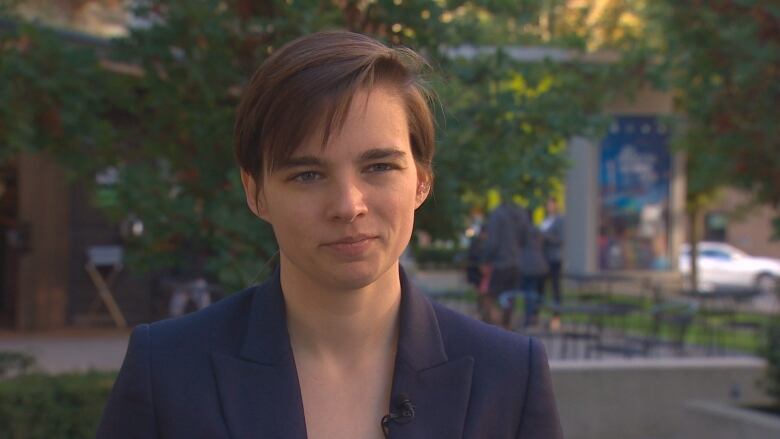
356 276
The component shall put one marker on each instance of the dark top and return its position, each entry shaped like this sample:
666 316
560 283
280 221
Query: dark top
553 238
532 260
507 230
228 372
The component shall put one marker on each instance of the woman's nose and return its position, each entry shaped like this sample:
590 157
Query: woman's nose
347 202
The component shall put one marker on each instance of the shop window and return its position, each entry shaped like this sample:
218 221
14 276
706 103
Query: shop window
634 182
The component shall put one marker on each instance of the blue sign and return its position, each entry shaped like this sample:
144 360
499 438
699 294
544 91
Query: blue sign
634 188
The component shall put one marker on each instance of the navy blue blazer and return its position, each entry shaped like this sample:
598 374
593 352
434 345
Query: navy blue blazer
228 372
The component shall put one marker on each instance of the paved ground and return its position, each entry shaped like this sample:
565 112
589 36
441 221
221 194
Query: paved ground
70 350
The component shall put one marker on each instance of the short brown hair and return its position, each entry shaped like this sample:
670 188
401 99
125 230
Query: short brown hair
309 83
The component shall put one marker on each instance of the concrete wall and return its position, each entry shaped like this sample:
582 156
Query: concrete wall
646 398
715 420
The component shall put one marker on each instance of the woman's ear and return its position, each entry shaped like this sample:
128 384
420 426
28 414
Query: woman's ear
254 197
423 189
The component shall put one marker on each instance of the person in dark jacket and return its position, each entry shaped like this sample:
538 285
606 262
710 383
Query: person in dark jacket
335 141
552 228
507 228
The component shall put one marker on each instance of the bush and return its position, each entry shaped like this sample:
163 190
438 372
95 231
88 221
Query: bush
53 406
772 354
13 363
436 257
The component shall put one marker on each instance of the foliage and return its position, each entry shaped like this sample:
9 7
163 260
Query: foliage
43 110
436 257
721 59
12 363
157 107
48 406
772 354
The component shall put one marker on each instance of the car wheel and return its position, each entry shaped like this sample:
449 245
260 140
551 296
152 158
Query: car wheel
766 284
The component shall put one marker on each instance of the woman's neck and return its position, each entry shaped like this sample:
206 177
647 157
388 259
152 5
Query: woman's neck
342 327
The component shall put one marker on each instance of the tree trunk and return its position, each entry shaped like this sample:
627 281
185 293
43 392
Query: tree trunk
693 222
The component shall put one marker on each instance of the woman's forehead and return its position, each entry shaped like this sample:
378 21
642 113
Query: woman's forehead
327 119
373 119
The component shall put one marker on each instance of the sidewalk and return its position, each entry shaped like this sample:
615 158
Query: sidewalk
70 349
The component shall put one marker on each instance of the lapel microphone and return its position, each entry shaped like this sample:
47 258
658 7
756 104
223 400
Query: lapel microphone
401 412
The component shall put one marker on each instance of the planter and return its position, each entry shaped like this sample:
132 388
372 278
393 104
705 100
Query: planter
717 420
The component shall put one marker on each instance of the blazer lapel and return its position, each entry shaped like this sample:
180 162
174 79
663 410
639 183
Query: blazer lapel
438 387
259 389
260 392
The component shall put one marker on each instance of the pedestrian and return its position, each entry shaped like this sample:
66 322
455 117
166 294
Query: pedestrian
552 228
533 269
194 291
476 275
335 141
474 255
507 225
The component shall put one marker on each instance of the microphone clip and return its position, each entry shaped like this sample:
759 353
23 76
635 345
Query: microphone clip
401 414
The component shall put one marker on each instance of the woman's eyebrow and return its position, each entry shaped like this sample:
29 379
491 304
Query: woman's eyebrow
368 155
381 153
295 162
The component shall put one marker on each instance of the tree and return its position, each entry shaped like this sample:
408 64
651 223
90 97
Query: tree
721 58
162 114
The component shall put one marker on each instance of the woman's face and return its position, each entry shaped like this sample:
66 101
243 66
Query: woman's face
342 215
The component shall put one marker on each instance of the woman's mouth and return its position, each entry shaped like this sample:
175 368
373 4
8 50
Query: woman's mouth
351 245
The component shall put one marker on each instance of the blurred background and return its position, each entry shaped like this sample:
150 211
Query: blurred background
652 123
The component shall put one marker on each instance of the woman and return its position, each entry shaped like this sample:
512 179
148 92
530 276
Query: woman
533 267
335 140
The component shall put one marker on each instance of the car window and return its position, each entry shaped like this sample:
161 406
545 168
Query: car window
716 254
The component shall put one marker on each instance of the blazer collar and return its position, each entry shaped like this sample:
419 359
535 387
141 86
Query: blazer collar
258 387
266 340
420 343
438 386
260 392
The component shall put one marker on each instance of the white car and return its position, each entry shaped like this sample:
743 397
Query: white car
723 267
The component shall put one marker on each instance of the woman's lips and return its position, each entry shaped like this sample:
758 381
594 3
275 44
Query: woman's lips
351 246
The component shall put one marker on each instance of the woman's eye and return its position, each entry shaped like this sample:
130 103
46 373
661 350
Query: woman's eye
305 177
380 167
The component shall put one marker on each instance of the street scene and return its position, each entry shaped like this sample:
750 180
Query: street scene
595 183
